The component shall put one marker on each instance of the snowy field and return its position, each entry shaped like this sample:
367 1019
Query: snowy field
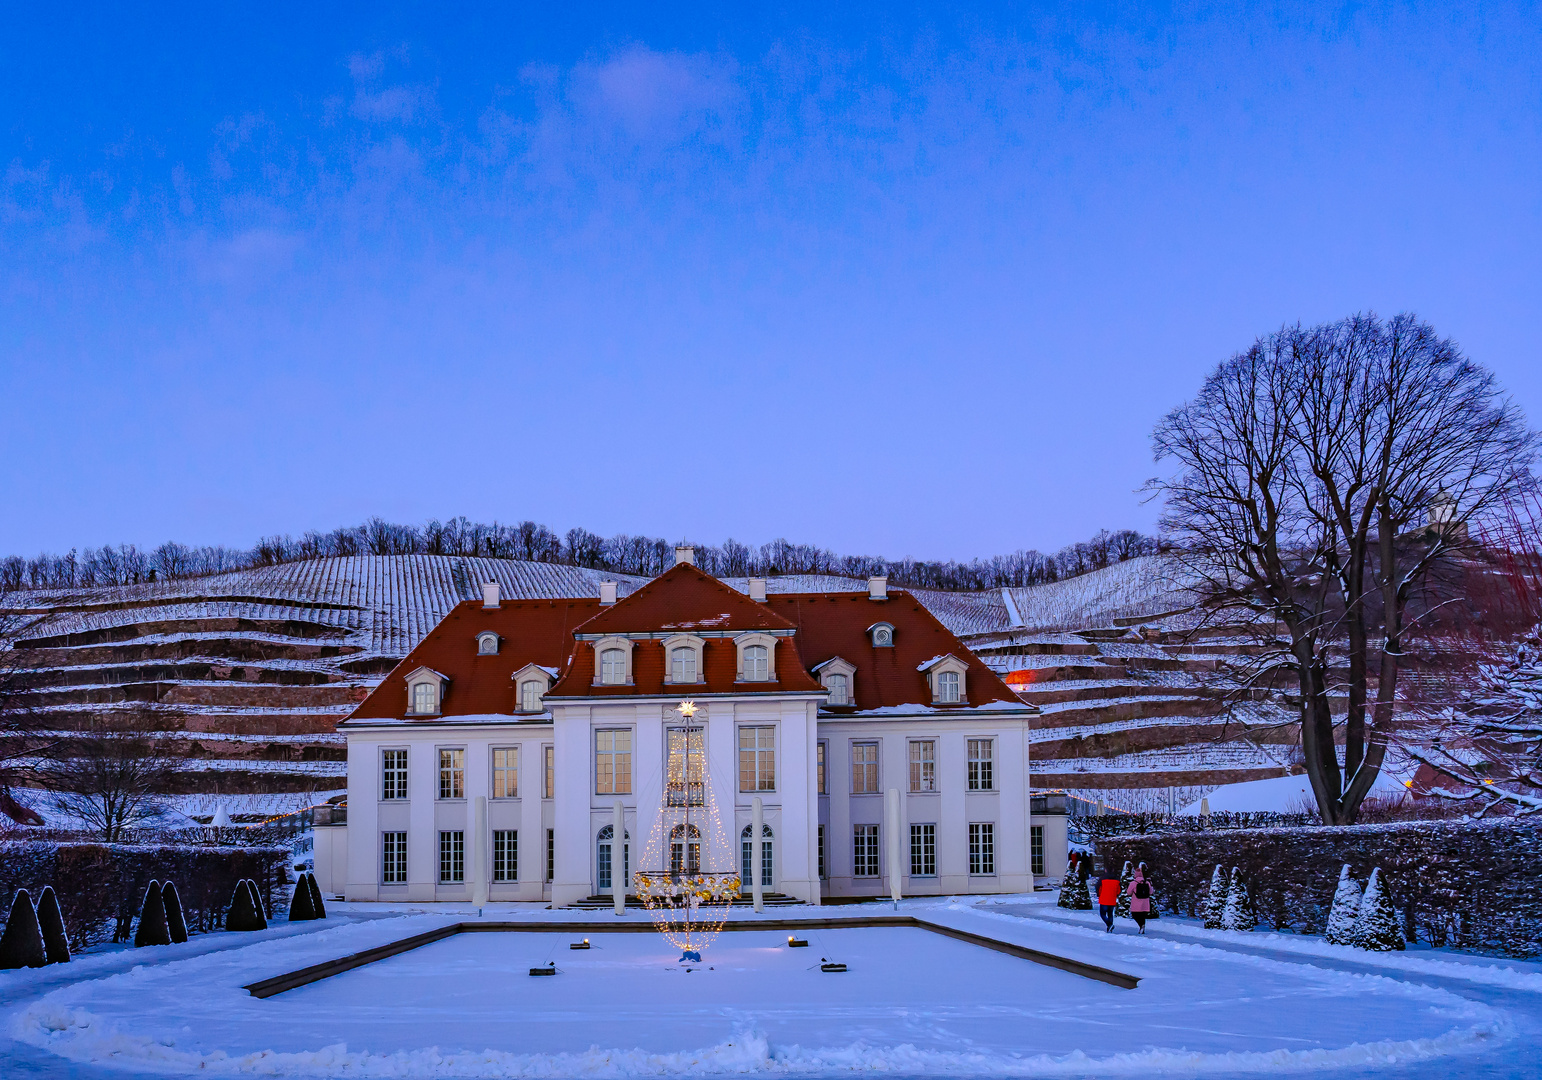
912 1003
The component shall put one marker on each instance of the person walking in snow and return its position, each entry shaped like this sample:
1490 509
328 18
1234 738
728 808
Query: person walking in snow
1108 896
1140 898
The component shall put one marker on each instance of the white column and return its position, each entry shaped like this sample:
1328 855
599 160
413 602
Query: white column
573 739
892 827
479 853
723 782
757 825
618 881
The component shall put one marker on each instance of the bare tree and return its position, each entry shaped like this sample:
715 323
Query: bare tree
112 775
1302 467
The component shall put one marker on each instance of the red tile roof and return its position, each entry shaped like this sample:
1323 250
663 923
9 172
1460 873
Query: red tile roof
835 624
530 631
686 600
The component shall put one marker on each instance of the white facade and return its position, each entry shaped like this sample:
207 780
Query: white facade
961 831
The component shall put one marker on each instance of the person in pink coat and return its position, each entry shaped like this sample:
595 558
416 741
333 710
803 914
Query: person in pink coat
1140 898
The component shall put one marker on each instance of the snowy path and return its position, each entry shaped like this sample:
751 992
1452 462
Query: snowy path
913 1003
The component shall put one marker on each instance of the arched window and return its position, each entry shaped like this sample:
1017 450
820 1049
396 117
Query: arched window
613 667
685 850
755 663
837 684
682 664
747 856
530 695
603 857
947 686
425 697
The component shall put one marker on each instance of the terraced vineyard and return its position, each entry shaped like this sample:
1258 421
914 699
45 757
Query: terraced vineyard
250 672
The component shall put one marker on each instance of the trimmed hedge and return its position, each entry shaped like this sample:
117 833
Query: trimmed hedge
100 886
1470 885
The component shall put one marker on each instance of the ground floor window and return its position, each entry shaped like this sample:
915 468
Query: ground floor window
452 857
602 858
982 847
505 855
393 858
1036 850
864 851
685 850
747 856
923 851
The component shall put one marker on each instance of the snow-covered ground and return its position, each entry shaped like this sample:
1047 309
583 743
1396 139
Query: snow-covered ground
911 1003
1282 794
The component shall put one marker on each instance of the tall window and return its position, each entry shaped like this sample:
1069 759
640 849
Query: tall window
864 768
837 686
1036 850
603 857
757 758
393 774
613 762
452 774
425 697
452 857
823 873
393 858
506 773
864 850
682 664
947 686
685 849
923 851
923 765
756 663
980 757
530 695
820 749
747 856
982 847
505 854
551 771
613 667
685 779
551 854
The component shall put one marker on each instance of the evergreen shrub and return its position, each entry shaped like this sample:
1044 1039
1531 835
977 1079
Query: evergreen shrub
152 929
317 903
22 943
1345 913
1215 901
176 924
56 943
300 907
1377 928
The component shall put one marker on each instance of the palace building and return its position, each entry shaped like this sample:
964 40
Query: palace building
496 759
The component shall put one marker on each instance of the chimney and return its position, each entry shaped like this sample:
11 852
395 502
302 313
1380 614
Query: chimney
684 553
758 589
607 593
489 594
877 588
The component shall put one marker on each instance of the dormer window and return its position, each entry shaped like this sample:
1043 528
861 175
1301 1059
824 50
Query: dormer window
487 643
946 675
840 693
838 677
612 661
425 697
757 657
425 692
882 635
530 685
683 654
530 692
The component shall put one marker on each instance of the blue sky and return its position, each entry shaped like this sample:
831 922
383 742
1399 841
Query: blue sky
905 281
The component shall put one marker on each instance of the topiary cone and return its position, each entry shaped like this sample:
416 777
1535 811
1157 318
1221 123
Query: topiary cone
22 943
243 910
257 905
300 907
175 922
316 901
56 943
152 929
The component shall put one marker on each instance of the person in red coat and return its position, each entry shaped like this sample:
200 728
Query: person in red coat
1108 896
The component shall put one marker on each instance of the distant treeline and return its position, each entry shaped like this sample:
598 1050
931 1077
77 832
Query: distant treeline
643 556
